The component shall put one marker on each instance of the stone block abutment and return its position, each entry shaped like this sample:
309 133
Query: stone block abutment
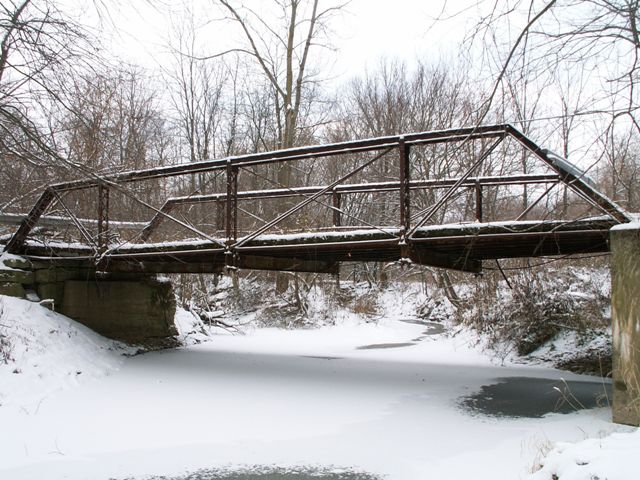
134 308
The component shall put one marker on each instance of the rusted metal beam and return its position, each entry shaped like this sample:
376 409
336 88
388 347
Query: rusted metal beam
232 203
478 195
51 221
490 181
405 186
220 215
314 151
459 262
231 226
16 243
507 236
326 246
103 217
166 266
337 213
287 264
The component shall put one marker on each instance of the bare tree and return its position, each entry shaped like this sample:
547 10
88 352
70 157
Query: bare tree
39 46
283 52
111 122
597 36
620 176
196 99
196 93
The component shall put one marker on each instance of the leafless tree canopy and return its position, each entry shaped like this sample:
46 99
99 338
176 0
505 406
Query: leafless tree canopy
598 37
39 47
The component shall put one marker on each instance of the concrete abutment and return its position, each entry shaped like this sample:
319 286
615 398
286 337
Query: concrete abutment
132 311
625 318
137 309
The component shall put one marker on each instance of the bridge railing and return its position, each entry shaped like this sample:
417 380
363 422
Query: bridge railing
336 194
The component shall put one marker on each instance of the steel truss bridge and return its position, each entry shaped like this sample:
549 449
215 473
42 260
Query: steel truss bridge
420 231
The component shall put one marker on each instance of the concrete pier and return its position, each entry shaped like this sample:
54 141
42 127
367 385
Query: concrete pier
134 308
139 311
625 317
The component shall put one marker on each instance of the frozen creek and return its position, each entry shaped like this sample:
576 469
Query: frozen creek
396 400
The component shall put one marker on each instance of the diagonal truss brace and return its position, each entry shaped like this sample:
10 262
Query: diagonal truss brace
310 199
572 179
433 209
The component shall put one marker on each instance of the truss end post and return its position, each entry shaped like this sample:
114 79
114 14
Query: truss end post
17 241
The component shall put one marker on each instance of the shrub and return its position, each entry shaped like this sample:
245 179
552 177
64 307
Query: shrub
5 344
538 306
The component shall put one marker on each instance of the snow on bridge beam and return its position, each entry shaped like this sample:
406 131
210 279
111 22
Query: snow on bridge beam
297 153
52 221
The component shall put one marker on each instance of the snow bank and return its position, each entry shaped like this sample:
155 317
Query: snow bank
613 457
332 396
42 352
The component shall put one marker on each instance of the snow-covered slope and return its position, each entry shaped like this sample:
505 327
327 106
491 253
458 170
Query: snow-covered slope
613 457
42 352
336 395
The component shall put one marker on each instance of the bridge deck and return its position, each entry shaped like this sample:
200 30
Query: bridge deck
458 246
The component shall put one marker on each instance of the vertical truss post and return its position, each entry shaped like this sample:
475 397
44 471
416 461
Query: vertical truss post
103 217
405 192
232 212
337 214
219 215
337 222
478 191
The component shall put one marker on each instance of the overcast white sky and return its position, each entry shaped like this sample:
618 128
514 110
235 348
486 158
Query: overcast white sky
140 31
367 31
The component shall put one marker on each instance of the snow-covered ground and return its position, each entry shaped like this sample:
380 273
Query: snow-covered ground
46 352
348 396
614 457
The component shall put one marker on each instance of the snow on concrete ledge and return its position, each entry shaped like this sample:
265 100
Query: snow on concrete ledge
626 226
